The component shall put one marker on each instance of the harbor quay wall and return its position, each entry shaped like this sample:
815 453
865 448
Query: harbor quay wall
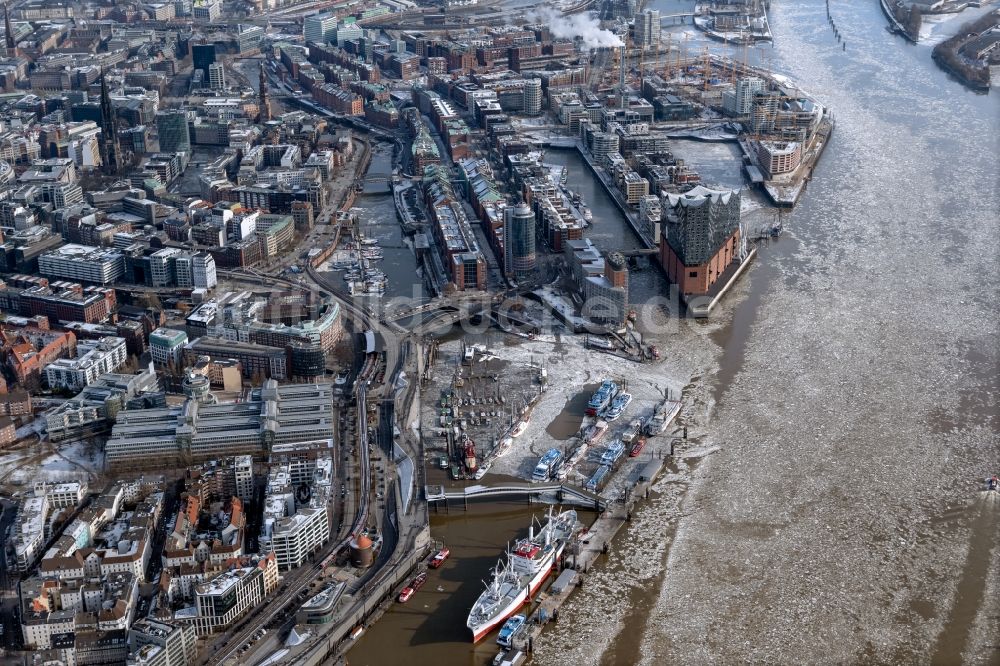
598 542
616 197
368 601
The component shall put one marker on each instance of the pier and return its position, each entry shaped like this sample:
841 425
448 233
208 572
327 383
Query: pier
585 551
559 492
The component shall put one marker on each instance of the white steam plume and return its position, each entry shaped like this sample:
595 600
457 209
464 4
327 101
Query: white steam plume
581 25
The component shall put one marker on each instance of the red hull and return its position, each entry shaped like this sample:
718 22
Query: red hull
527 600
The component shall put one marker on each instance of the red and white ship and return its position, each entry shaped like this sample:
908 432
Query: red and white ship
517 580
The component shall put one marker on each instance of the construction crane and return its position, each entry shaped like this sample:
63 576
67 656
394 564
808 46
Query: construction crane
667 75
706 67
682 56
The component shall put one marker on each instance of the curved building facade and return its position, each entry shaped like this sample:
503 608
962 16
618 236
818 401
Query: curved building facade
519 242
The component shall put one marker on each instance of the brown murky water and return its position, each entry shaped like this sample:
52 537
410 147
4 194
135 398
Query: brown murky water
984 519
566 424
430 627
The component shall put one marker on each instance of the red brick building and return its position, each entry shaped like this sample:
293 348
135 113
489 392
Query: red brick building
26 350
71 303
701 237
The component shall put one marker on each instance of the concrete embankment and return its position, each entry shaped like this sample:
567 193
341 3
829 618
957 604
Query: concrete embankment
896 26
616 196
589 547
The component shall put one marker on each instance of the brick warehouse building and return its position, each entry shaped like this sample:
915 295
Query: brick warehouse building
701 237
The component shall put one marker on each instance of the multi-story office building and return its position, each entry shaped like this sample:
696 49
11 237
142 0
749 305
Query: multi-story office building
778 157
94 358
346 31
161 643
206 10
294 538
519 241
172 126
256 361
701 237
162 266
93 409
319 28
220 601
634 186
601 281
647 29
202 56
739 101
216 76
90 305
82 263
166 346
203 271
289 415
295 525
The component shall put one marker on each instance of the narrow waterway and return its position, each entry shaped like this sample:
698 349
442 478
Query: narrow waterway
430 627
376 211
850 382
608 230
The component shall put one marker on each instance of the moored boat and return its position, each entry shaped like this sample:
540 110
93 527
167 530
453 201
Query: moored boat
617 407
546 465
411 589
595 432
663 415
509 629
602 396
439 558
516 581
506 444
614 451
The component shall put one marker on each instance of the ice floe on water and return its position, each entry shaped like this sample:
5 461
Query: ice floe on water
837 522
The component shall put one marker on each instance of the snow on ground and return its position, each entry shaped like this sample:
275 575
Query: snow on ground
69 461
571 368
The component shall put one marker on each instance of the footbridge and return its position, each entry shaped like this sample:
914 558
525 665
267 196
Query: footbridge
563 493
442 311
677 19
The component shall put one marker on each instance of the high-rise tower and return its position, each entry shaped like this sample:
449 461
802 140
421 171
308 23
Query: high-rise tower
622 91
265 106
110 148
11 42
519 242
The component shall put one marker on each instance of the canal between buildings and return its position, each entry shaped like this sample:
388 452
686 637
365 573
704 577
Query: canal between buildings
850 381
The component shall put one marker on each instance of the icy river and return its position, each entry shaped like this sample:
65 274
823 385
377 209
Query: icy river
848 387
852 386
